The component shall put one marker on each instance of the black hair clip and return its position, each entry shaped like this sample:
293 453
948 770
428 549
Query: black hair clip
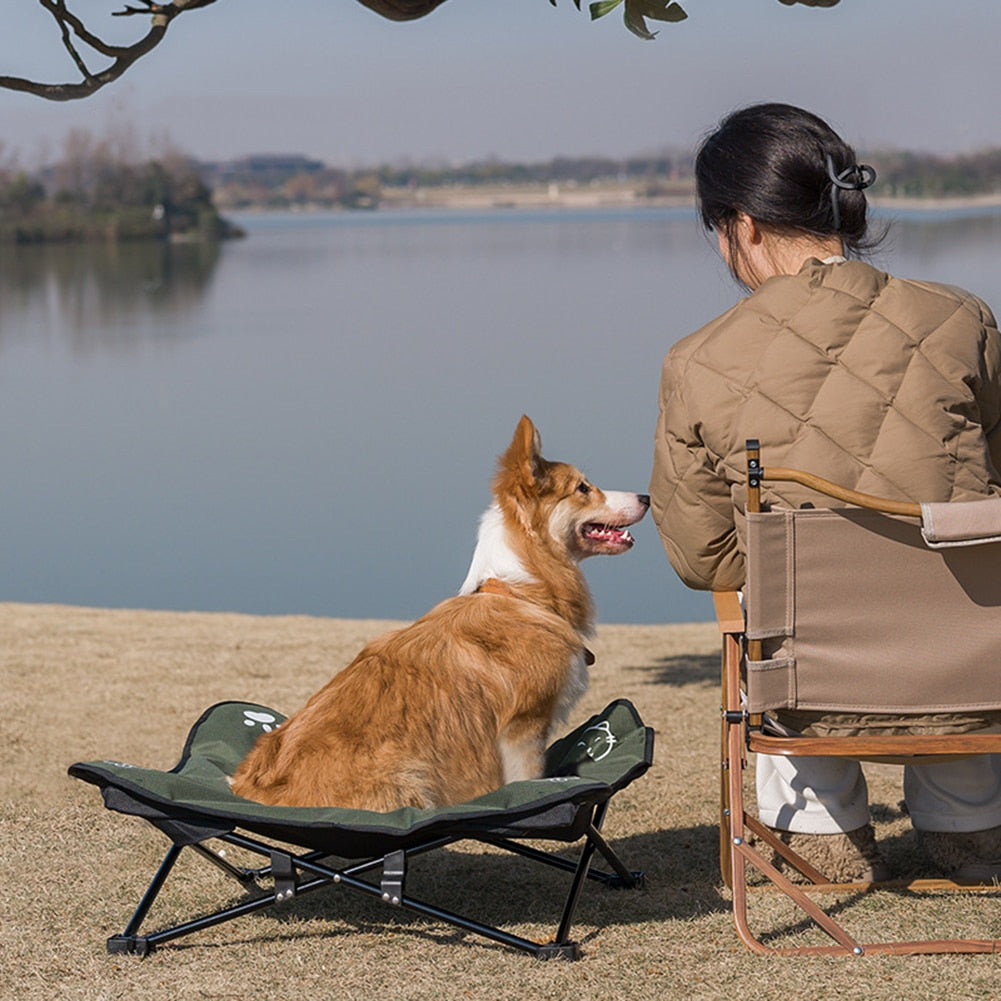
857 177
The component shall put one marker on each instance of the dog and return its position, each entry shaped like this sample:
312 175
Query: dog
462 701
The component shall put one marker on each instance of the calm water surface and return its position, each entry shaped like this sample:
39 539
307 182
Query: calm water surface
307 420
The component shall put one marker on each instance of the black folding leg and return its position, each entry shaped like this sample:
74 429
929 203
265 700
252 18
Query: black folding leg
127 942
288 873
620 878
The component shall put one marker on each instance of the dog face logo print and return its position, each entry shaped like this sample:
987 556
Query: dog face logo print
598 741
266 721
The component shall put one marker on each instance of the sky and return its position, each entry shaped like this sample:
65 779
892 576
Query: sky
514 79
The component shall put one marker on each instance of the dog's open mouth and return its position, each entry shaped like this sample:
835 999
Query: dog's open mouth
608 536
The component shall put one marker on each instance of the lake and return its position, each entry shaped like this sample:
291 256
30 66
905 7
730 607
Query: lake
307 420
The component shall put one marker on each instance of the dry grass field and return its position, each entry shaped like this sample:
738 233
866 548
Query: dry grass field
80 684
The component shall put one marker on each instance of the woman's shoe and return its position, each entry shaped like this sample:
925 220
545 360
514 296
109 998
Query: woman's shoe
965 856
851 857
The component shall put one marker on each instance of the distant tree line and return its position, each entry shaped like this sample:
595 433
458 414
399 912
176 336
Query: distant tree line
292 181
582 170
102 189
297 181
924 175
283 182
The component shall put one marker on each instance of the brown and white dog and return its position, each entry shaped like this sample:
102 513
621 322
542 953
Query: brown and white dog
461 701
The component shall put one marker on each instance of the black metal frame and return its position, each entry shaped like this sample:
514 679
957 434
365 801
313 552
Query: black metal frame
286 869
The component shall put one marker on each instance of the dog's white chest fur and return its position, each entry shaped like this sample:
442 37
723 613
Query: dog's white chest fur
493 556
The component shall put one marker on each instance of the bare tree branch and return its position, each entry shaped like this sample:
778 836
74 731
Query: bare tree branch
68 41
73 31
76 36
67 21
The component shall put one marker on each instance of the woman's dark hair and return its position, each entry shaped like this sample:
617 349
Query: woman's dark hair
770 161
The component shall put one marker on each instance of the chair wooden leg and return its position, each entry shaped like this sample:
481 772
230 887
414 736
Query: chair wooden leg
725 808
738 824
730 712
742 853
725 861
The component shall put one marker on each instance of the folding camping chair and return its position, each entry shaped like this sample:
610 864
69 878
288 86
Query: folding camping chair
877 607
192 804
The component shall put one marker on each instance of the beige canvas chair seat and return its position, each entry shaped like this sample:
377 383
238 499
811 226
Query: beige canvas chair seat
881 608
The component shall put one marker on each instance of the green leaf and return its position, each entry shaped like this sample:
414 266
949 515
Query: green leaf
602 7
639 27
663 10
636 12
636 24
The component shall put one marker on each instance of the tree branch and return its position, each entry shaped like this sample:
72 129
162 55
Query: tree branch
74 33
121 56
68 42
68 21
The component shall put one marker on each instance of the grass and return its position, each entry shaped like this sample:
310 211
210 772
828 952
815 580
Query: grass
83 683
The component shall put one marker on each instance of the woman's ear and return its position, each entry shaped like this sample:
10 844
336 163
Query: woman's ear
748 229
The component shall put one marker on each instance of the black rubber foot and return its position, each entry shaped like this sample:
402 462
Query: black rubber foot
621 883
128 945
553 950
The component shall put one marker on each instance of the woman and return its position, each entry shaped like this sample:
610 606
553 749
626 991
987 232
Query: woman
888 386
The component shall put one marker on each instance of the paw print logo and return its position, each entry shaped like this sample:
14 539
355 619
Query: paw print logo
266 721
598 741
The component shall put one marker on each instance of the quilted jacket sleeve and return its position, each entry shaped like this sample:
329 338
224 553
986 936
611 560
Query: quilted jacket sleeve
990 395
690 499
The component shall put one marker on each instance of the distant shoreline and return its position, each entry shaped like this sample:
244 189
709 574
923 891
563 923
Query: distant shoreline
501 197
938 204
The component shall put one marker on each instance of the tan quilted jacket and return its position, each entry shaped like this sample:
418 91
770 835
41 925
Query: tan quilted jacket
889 386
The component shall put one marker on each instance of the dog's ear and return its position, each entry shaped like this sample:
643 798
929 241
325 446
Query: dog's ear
530 440
522 463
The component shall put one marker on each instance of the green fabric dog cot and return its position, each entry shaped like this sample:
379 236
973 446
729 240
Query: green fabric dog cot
192 804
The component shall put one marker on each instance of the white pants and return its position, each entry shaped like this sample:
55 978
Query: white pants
828 795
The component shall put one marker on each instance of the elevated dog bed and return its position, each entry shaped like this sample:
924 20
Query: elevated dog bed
192 804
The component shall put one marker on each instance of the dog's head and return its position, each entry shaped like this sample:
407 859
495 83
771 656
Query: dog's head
556 503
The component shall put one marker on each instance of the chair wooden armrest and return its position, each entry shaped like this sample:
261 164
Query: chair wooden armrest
894 748
827 488
729 612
